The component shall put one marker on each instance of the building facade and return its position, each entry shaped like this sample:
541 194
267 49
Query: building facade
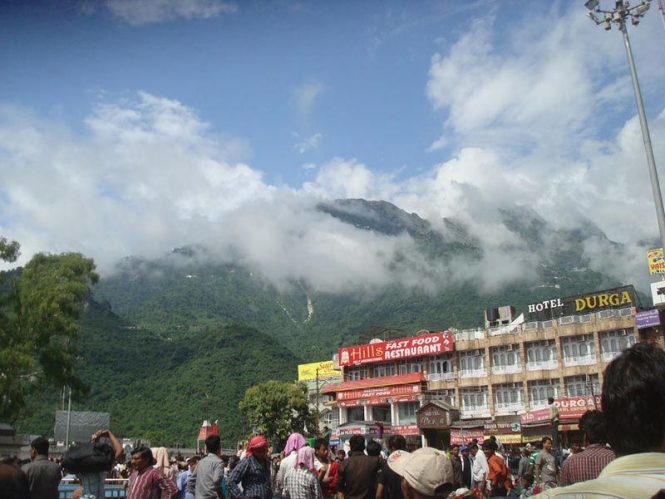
499 378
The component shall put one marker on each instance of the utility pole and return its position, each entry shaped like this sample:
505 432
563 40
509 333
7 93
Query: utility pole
619 15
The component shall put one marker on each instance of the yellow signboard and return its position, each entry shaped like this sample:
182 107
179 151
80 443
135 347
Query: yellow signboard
656 261
307 372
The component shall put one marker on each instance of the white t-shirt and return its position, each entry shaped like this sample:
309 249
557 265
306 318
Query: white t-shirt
480 468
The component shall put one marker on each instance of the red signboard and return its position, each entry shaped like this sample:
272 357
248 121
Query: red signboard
461 437
569 408
405 429
380 392
377 401
403 348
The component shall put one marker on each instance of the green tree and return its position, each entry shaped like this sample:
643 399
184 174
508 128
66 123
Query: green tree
39 311
277 409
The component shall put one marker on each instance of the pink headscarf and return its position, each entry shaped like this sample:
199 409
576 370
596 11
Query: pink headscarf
294 442
305 458
256 442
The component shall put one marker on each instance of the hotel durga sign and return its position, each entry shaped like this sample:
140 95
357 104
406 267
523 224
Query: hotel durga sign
618 297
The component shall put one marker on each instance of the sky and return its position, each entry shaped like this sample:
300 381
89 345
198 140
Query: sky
128 127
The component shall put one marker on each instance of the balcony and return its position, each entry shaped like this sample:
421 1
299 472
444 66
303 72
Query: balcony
608 356
546 365
586 360
510 369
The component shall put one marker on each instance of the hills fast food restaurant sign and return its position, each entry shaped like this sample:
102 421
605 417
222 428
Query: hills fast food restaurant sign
403 348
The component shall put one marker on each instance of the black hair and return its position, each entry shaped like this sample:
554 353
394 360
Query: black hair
233 462
40 444
550 400
145 453
633 399
213 444
357 443
373 448
545 439
396 442
490 445
319 442
592 423
473 447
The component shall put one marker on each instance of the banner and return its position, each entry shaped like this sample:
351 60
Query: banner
461 437
307 372
405 429
383 392
656 261
403 348
569 408
377 401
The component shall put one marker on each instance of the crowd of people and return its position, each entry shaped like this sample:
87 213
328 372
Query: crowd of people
623 455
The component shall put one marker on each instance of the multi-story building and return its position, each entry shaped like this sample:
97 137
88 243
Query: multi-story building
498 377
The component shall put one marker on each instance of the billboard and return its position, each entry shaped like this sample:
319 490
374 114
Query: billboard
583 304
307 372
402 348
648 318
658 292
82 424
569 408
656 261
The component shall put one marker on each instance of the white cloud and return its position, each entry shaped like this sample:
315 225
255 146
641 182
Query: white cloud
140 12
304 98
309 143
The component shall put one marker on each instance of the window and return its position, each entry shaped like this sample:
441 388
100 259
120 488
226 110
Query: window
506 359
440 368
508 397
474 400
381 413
542 389
613 342
381 370
579 350
582 386
356 414
407 412
541 355
356 373
447 396
472 363
407 367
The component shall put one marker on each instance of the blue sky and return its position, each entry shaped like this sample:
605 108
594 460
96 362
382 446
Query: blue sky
130 126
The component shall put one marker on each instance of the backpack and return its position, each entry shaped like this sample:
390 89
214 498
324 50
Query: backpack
88 457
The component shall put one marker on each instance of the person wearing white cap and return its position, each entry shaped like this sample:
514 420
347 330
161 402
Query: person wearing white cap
426 472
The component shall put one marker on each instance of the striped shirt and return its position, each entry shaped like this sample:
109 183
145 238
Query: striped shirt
635 476
586 465
151 484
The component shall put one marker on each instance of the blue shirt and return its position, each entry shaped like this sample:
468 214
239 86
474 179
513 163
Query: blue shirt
255 480
182 485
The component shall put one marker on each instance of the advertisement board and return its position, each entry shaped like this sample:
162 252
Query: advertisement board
384 392
402 348
307 372
569 408
584 303
648 318
405 429
464 436
656 261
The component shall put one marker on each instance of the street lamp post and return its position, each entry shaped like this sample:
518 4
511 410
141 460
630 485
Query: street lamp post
619 15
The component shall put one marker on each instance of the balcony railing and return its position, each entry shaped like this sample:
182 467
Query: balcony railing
440 376
608 356
511 369
542 366
586 360
477 373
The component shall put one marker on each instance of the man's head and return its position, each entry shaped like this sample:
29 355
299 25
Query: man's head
213 444
592 423
526 452
489 448
473 449
373 448
39 447
633 400
465 451
575 448
192 462
454 450
321 449
396 442
547 444
141 458
340 455
426 472
550 400
357 443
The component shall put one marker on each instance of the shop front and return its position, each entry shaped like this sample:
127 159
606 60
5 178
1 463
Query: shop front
434 419
536 423
463 432
506 429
